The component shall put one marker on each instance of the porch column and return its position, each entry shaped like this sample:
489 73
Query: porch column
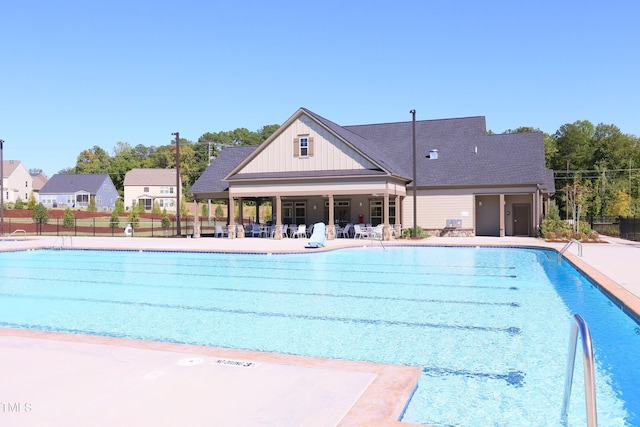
398 222
502 220
257 211
386 230
240 229
331 227
278 234
196 225
231 218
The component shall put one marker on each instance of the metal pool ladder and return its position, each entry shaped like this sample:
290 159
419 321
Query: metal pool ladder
579 325
565 247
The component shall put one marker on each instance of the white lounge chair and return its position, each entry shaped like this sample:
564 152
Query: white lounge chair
319 236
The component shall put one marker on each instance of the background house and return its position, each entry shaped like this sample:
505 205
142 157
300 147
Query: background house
38 182
17 181
146 186
75 191
467 181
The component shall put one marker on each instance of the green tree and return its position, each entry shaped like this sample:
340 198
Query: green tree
165 221
32 202
40 214
575 146
620 205
92 205
205 210
184 208
19 203
68 221
140 208
114 221
93 160
219 211
134 216
155 209
119 207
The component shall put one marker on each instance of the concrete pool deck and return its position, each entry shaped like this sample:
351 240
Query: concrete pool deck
65 379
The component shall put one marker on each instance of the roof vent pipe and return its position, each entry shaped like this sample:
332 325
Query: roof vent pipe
433 154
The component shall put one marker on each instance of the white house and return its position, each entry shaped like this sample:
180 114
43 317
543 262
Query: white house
146 186
17 181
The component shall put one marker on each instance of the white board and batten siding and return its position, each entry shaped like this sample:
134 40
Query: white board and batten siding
328 152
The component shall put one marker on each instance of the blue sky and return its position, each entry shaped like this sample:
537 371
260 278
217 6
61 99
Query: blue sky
76 74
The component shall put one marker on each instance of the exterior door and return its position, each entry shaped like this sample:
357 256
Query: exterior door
521 219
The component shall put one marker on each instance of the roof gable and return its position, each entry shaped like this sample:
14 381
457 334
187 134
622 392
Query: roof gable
10 166
333 150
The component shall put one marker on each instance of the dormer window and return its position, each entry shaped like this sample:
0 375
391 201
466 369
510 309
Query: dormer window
303 146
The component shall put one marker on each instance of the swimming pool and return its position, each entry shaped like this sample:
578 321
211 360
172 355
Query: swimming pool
489 327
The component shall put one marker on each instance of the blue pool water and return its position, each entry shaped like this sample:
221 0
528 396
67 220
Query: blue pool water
488 327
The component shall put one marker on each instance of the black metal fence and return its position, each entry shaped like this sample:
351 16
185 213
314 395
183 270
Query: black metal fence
101 226
616 226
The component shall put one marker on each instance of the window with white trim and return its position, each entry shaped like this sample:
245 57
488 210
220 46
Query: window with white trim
303 146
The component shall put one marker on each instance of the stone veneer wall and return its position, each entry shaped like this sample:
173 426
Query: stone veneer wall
451 232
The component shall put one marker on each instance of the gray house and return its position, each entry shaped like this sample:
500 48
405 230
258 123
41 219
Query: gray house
75 191
468 182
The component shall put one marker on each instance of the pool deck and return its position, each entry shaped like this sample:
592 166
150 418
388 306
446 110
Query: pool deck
65 379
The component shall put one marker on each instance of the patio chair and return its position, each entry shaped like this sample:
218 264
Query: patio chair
256 230
218 231
360 232
301 231
376 232
310 230
346 231
285 231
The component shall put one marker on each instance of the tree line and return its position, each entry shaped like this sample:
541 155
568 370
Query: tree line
596 167
194 156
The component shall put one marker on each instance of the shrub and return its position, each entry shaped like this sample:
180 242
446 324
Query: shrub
69 221
119 208
155 209
19 204
219 212
408 232
31 202
40 214
92 205
114 221
165 221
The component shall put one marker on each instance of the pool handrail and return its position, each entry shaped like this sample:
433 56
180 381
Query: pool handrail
16 231
565 247
63 238
579 325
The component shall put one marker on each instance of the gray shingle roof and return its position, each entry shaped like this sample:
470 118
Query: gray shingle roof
467 155
211 180
71 183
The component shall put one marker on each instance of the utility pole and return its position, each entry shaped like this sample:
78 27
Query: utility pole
209 200
178 227
415 178
1 190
